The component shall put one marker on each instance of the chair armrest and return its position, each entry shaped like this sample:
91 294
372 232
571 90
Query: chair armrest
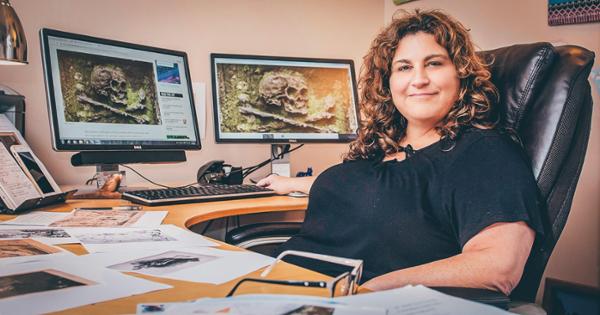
262 230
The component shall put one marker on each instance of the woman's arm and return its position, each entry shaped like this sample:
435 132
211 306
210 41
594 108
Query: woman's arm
493 259
284 185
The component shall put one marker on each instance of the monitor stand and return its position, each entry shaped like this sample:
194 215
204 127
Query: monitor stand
105 172
107 168
281 166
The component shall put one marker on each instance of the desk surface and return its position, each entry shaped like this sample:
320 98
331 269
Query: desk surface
186 215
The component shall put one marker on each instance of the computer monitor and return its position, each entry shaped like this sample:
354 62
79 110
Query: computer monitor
117 102
282 99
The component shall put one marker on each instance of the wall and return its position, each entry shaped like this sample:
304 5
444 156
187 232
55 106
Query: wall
312 28
494 24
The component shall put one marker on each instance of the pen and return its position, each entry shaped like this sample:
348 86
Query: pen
113 208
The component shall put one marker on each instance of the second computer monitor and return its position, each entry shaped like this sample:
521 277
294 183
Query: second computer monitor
283 99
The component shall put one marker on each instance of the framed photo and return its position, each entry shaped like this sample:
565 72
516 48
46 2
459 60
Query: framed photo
283 99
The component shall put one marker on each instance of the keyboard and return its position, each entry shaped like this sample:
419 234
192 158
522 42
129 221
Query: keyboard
212 192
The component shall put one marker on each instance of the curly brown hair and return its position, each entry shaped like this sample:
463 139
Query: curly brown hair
382 125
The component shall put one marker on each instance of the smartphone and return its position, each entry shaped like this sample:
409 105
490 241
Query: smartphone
34 169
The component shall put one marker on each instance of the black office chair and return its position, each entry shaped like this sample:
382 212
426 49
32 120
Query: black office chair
546 98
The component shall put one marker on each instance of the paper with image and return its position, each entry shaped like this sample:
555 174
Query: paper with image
39 281
36 218
163 237
196 264
45 235
22 250
57 284
91 218
264 304
164 263
419 300
99 218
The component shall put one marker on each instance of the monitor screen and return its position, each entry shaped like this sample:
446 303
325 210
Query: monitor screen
110 95
283 99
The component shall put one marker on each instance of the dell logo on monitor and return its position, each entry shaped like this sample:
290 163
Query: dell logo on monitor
137 147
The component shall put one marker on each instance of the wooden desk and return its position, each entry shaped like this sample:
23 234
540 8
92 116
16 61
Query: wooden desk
186 215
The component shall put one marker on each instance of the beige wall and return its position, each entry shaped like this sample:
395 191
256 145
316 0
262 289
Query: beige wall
308 28
494 24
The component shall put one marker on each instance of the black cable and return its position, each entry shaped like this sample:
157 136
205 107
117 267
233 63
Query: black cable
251 169
153 182
245 171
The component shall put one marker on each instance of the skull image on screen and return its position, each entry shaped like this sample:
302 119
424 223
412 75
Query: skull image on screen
109 82
285 88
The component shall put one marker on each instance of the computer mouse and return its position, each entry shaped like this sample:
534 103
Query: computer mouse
297 194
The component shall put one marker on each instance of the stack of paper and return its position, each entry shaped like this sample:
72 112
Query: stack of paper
264 304
411 300
56 284
419 300
38 277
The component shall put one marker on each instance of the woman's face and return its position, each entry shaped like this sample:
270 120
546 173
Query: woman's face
424 82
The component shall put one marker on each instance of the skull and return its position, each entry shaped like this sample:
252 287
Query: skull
110 82
285 88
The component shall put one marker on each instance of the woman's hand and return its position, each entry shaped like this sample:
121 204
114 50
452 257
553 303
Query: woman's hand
285 185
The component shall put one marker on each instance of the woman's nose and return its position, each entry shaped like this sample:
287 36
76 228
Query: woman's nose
420 78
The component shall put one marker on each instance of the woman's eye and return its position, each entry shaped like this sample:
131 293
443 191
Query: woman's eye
404 68
434 63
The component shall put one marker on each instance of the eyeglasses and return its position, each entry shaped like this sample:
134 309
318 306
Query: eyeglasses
342 285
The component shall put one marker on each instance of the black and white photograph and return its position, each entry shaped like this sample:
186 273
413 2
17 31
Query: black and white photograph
33 233
164 263
38 281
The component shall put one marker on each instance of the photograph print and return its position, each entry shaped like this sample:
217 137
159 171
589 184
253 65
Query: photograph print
38 281
104 89
99 218
125 236
24 247
284 96
32 233
164 263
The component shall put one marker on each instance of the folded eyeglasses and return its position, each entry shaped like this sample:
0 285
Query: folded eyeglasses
342 285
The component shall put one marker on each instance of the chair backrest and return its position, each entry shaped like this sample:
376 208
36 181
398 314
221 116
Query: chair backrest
546 98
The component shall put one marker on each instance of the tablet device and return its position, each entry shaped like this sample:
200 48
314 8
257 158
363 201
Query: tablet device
35 170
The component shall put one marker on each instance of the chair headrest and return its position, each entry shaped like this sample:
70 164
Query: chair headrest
519 73
541 89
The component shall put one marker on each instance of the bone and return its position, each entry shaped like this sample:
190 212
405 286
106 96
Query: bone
85 99
257 112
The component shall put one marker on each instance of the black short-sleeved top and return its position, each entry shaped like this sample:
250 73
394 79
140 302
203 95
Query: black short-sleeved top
399 214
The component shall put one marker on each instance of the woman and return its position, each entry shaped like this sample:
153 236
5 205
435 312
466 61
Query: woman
429 193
